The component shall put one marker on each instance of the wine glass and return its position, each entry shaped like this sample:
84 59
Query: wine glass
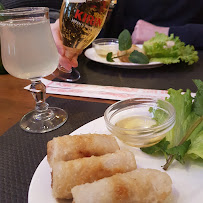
80 23
29 52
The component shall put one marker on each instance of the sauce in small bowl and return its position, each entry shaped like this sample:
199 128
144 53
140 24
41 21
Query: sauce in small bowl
140 122
103 46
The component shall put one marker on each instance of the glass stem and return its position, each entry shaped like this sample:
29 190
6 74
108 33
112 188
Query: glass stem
39 93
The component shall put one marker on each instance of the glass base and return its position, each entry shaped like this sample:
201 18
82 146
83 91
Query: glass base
35 122
62 74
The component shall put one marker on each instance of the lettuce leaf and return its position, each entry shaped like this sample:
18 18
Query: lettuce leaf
169 49
183 106
186 137
198 103
189 113
196 149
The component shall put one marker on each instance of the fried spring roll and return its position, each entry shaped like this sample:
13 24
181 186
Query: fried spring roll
138 186
68 147
66 175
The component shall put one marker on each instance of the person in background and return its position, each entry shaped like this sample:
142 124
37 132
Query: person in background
183 18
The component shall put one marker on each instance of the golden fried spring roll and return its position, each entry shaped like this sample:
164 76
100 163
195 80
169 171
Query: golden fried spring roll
68 147
66 175
138 186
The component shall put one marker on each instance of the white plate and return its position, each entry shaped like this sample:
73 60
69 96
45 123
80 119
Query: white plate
187 179
92 55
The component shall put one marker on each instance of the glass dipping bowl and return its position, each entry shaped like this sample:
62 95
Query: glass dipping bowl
103 46
133 120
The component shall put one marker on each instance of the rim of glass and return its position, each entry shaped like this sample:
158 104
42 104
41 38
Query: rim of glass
99 40
23 11
163 126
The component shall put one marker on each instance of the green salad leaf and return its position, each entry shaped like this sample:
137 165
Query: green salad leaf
125 43
179 151
138 57
109 57
124 40
159 115
198 103
159 147
186 137
160 48
169 49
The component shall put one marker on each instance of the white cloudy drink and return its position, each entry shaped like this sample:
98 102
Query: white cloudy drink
28 49
29 52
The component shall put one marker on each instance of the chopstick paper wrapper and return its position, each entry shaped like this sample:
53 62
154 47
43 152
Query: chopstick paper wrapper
97 91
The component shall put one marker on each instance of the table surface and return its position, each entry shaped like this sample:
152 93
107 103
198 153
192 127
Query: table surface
15 101
21 152
177 76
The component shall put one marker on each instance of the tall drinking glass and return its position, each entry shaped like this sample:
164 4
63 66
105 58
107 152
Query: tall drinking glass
29 52
80 23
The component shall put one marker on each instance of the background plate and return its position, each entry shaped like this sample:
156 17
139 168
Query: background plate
92 55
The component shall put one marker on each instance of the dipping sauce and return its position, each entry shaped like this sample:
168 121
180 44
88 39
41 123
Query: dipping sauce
104 49
136 122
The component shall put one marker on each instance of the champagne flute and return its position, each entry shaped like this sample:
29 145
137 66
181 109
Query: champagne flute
80 23
29 52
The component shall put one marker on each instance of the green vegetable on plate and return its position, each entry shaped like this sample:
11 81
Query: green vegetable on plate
169 49
160 48
125 43
186 137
